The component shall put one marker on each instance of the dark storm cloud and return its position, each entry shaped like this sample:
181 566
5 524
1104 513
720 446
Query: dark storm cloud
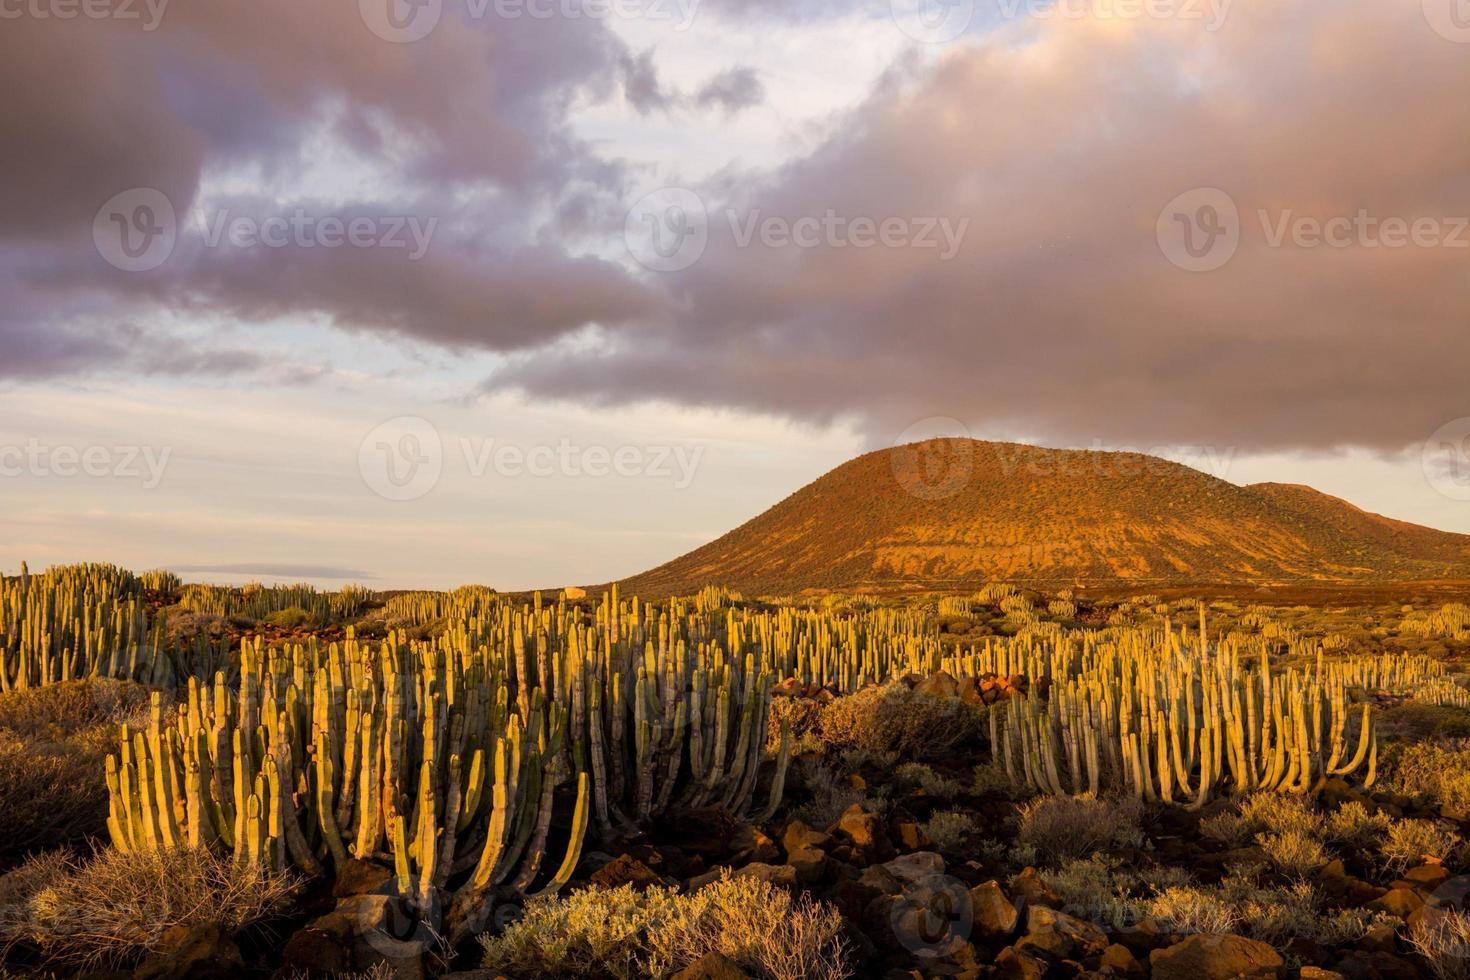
476 110
1060 142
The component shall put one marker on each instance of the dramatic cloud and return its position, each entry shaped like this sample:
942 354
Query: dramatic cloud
1056 144
732 90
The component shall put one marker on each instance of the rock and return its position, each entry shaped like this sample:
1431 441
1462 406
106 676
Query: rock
1359 965
199 951
1400 902
749 843
1119 961
809 862
799 836
1019 965
712 966
1338 886
783 875
863 828
625 869
994 914
316 952
938 684
1336 792
574 592
1318 973
1143 937
1029 889
1378 939
880 879
358 877
1060 935
1427 876
1215 956
915 867
911 836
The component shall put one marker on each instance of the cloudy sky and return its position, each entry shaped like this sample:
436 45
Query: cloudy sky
529 292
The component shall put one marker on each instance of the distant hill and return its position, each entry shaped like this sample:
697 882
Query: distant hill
956 513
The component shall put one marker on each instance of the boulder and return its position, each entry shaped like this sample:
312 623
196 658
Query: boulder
750 843
198 951
783 875
1059 935
994 914
1029 889
625 869
915 867
358 877
863 828
1119 961
1400 902
810 863
798 836
1019 965
1215 956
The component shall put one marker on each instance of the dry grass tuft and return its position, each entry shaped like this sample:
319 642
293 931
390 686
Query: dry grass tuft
894 718
116 907
1062 828
1443 939
624 934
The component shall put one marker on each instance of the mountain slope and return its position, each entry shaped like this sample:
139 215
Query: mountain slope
954 513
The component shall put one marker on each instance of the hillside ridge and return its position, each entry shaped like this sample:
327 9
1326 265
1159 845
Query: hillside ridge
955 513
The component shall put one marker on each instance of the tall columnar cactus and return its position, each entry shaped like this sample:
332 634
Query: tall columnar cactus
1172 718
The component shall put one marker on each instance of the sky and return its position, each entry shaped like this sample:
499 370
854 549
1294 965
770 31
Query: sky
535 292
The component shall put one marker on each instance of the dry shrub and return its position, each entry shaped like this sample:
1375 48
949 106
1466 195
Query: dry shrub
805 716
117 907
1443 939
1410 842
1065 827
58 710
623 933
1293 852
894 718
951 831
832 793
1353 825
53 741
1430 769
932 783
50 794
